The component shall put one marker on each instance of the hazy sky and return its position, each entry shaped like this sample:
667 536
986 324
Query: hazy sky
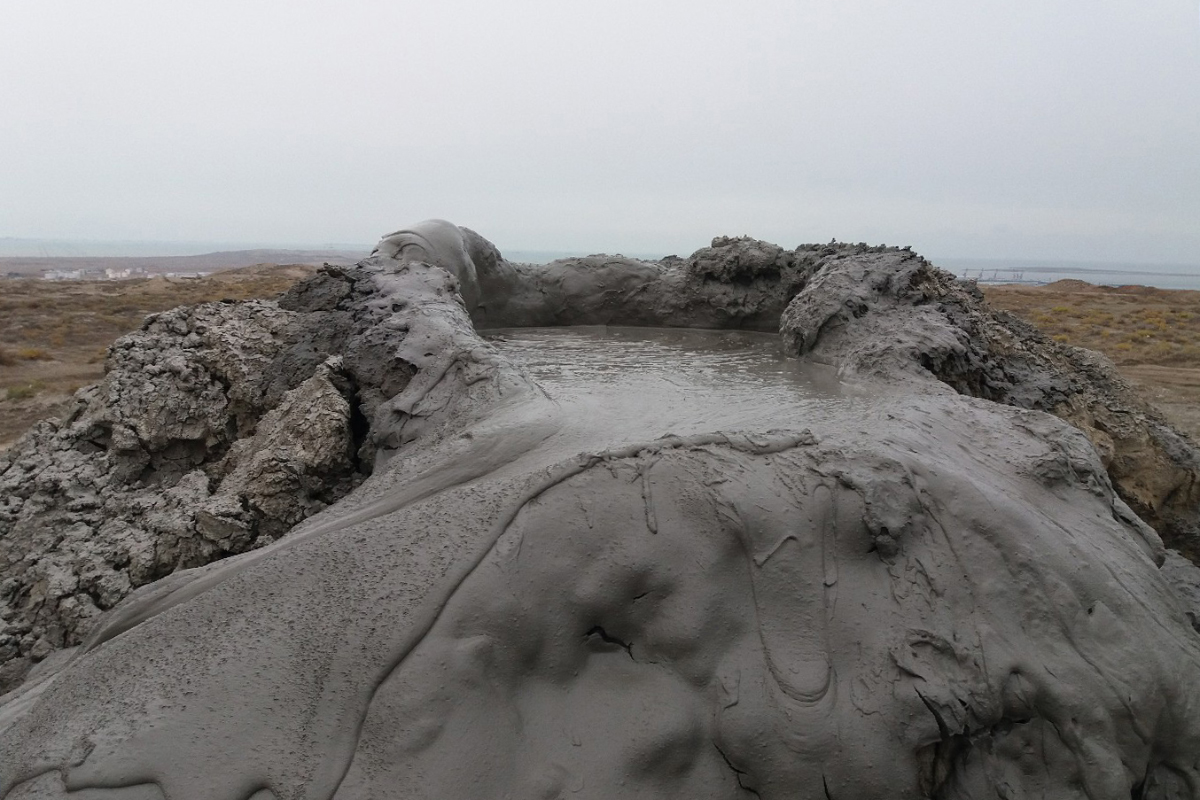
1022 128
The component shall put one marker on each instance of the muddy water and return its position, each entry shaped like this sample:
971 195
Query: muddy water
631 384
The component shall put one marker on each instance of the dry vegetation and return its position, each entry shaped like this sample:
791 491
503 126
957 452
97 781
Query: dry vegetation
1129 324
54 335
1153 335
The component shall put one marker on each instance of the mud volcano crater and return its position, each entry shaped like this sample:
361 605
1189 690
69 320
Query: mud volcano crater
784 523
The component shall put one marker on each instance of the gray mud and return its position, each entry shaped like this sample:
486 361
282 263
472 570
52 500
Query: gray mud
613 562
625 384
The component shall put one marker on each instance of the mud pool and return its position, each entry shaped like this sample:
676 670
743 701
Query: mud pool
633 384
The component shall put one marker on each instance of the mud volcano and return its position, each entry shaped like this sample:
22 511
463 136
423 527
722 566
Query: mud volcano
371 551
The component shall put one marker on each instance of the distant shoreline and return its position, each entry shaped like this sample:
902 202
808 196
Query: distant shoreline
1100 273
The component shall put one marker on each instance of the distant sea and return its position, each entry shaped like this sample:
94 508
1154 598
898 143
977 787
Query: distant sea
1104 273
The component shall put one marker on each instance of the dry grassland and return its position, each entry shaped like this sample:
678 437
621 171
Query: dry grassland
1153 335
54 335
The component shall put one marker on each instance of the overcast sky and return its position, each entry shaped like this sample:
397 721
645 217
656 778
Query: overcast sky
1022 128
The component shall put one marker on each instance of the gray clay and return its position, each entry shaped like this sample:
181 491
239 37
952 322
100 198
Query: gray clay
354 549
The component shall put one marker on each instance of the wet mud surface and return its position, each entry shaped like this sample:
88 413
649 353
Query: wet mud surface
629 384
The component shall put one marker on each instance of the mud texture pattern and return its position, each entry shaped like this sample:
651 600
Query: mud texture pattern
342 546
218 428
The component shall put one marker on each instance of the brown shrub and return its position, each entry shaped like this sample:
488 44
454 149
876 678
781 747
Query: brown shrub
33 354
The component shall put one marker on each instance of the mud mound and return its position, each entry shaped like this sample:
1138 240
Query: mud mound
892 314
217 428
406 550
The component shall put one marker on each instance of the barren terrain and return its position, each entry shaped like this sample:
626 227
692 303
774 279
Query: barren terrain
1153 335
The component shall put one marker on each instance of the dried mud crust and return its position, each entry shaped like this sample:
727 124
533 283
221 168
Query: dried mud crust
217 429
892 314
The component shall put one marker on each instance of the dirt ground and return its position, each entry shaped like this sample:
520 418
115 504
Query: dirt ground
53 336
1153 335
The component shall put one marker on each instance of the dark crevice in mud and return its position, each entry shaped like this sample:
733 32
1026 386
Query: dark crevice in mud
825 786
745 279
938 761
243 416
231 435
966 379
599 633
360 427
738 773
100 435
255 517
166 465
92 594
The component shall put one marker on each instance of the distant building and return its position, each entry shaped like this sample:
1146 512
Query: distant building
63 275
